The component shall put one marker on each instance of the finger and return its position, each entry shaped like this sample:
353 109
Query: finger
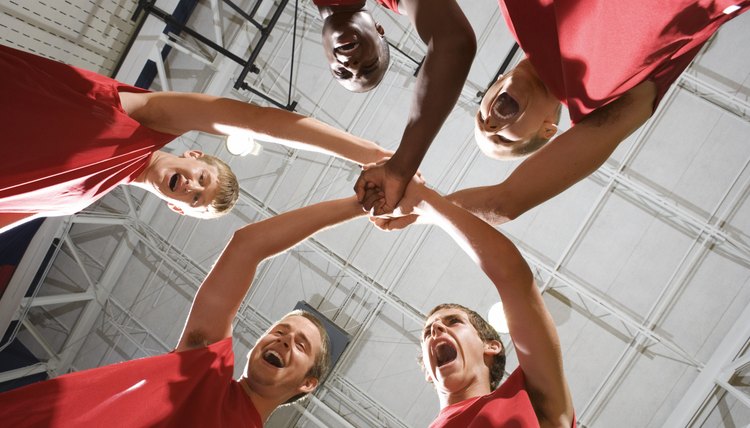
359 187
371 198
379 223
383 208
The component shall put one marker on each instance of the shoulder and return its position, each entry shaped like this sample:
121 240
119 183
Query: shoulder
197 339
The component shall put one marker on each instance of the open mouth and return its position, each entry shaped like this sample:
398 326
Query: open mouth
173 181
273 359
444 354
346 48
505 106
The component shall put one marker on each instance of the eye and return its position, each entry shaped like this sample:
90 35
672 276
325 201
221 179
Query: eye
342 73
301 346
200 179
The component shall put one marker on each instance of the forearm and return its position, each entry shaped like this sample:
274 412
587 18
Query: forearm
300 132
494 253
489 203
276 234
451 47
177 113
221 293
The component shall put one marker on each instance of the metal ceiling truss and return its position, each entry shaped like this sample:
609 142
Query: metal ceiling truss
339 398
175 25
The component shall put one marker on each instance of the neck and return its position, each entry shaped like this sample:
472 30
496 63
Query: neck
475 389
142 179
264 405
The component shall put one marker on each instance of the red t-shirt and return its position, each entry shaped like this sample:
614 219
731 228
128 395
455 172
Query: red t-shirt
590 52
181 389
388 4
66 139
507 406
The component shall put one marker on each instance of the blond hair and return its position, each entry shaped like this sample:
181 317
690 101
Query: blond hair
228 191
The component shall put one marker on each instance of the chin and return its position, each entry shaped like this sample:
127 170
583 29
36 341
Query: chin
493 150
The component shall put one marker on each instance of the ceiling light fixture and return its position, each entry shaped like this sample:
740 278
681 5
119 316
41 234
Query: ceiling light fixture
496 318
242 145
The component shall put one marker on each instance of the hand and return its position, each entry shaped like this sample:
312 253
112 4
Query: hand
387 223
379 177
408 211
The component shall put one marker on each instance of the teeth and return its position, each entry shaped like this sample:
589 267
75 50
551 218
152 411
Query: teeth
505 106
346 47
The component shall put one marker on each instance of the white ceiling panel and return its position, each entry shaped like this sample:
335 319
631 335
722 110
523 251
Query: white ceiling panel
645 266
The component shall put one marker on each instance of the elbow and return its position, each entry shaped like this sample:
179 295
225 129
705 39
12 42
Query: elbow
470 46
465 47
467 44
247 241
460 46
508 212
504 207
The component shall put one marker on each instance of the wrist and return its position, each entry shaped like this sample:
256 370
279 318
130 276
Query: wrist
400 167
428 203
381 153
351 206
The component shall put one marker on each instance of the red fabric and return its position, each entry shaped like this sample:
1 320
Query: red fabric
66 139
6 273
589 52
388 4
183 389
507 406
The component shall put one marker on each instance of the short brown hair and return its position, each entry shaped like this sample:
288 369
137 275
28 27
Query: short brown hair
487 333
228 191
322 364
534 143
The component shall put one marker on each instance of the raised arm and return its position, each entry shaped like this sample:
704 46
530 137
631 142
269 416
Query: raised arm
177 113
451 46
563 162
531 326
219 296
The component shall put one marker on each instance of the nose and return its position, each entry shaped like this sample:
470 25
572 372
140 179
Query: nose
490 123
285 340
347 60
436 328
192 186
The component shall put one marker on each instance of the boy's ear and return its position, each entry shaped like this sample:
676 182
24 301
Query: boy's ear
175 208
492 348
194 154
548 130
308 385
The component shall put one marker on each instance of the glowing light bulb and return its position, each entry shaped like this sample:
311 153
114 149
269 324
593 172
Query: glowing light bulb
242 145
496 318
